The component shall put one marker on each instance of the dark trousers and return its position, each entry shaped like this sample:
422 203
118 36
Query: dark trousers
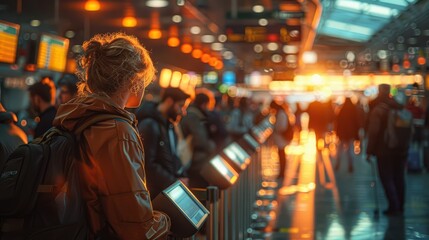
282 160
391 169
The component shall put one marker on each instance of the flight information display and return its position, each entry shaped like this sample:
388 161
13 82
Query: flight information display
8 41
52 53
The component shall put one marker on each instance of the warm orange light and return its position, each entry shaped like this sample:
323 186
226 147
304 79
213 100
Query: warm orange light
219 65
186 48
406 64
197 53
92 5
205 58
421 60
173 42
165 77
396 68
154 34
175 79
212 61
129 22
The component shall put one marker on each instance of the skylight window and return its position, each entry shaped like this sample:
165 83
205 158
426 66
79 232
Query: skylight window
369 9
376 10
402 3
349 27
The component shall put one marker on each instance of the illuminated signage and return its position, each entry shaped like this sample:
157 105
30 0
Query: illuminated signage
272 33
8 41
52 53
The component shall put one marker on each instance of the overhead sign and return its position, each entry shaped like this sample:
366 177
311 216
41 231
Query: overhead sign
52 53
271 33
277 14
8 41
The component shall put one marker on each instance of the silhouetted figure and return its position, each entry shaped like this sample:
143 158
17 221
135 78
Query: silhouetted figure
347 129
195 123
241 119
68 88
42 100
391 162
278 135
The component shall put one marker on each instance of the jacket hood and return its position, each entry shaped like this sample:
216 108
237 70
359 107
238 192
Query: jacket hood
78 110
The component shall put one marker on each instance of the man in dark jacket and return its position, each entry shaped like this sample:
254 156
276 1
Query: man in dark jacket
156 126
195 123
11 136
390 161
42 98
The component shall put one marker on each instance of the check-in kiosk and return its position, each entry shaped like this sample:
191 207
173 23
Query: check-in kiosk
248 143
187 214
236 156
218 172
262 131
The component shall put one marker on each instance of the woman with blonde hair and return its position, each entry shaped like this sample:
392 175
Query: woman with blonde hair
114 71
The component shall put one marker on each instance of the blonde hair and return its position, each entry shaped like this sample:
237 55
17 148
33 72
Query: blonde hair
113 62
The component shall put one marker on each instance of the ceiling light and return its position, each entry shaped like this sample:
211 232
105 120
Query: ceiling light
258 48
173 42
276 58
207 38
35 23
156 3
258 8
70 34
92 5
228 55
263 22
186 48
129 22
197 53
290 49
177 18
217 46
154 34
195 30
309 57
222 38
272 46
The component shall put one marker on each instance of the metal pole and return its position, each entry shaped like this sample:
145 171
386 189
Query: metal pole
212 199
222 215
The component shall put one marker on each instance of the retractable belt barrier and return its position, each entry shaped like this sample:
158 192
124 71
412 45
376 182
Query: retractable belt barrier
235 176
236 171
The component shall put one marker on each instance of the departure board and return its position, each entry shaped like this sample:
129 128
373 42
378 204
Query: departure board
8 41
52 54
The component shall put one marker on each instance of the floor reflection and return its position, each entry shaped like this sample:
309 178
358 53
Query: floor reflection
316 202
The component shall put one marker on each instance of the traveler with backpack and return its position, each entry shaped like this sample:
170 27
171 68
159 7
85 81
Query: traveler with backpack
157 128
103 193
389 143
11 136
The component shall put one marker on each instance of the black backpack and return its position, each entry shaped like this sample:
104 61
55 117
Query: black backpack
40 189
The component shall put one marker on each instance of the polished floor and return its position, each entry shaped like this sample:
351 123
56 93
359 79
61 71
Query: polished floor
316 202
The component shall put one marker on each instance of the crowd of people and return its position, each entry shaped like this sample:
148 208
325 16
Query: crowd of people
128 163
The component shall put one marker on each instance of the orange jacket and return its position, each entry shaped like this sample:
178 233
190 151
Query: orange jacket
113 175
